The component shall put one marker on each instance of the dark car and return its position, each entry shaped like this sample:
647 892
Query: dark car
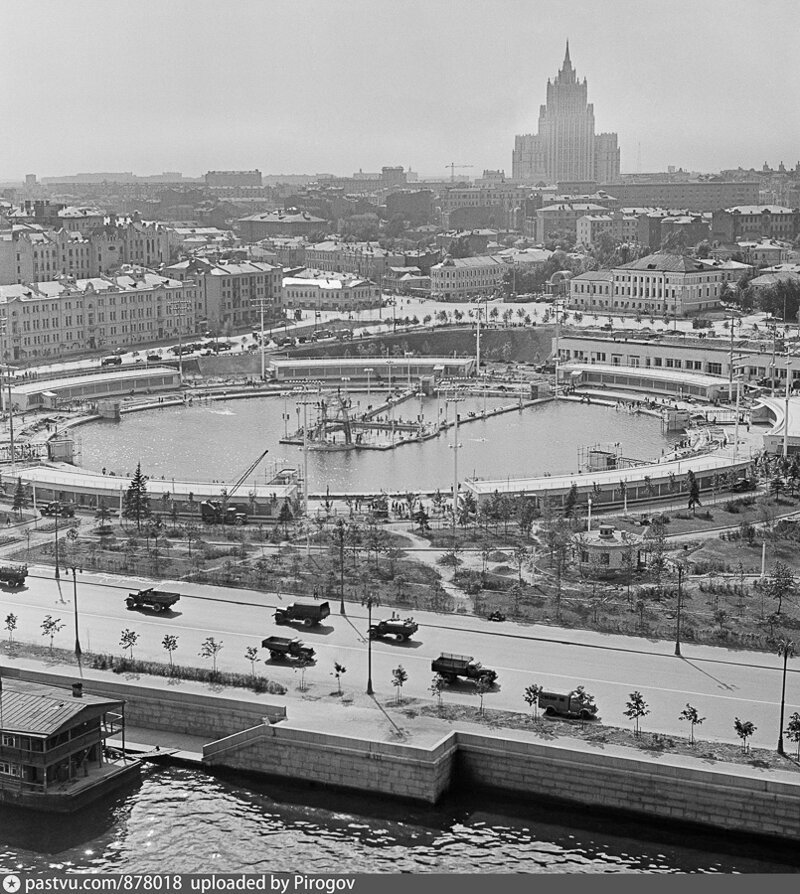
154 358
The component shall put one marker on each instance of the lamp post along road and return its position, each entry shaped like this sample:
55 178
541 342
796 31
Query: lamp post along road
678 613
180 307
369 602
786 649
58 573
75 606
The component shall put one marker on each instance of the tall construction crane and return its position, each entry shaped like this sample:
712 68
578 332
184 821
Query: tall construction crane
218 511
453 167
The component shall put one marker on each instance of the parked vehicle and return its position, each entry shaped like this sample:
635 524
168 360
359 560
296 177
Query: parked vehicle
452 666
111 360
571 705
281 647
154 358
213 513
63 510
321 335
156 600
12 574
402 629
744 485
308 614
495 616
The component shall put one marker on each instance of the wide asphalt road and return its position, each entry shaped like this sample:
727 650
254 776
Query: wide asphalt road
721 683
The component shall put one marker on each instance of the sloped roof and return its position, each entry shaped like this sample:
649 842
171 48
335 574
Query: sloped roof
38 710
667 263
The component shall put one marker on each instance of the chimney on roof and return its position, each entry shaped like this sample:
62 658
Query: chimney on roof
77 690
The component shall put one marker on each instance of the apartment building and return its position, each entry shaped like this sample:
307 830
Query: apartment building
457 279
231 293
755 222
69 315
279 223
622 227
693 195
365 259
33 254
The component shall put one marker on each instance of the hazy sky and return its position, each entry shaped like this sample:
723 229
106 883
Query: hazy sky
309 86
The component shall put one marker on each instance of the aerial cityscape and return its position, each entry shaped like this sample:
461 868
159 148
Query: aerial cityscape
399 440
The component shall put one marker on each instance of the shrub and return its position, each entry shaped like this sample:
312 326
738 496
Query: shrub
183 672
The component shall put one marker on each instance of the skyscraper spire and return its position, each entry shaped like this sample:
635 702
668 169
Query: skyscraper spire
567 60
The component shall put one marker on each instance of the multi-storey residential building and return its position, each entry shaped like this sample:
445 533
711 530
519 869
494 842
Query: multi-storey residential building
566 146
69 315
693 195
756 222
365 259
38 255
279 223
559 218
231 293
320 290
458 278
660 284
622 227
496 204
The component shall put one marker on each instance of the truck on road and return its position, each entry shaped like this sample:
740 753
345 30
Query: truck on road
156 600
308 614
451 667
394 626
13 575
574 704
281 647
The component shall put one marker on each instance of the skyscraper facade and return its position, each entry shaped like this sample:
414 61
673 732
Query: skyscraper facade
566 146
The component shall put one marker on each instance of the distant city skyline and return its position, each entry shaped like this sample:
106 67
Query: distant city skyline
334 86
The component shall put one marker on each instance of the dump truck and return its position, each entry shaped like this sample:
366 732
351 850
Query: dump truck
306 613
213 513
452 666
281 647
13 575
156 600
574 704
394 626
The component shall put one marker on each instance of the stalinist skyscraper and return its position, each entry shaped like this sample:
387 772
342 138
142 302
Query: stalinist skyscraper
566 146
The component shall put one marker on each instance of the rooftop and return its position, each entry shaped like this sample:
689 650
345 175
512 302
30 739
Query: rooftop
38 710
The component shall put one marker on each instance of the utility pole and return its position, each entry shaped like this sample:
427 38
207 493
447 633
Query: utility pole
305 401
455 445
678 615
786 414
180 306
11 424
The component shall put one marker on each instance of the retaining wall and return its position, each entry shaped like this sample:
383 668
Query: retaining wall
402 771
740 799
719 798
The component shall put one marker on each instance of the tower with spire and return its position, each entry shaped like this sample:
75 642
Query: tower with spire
566 146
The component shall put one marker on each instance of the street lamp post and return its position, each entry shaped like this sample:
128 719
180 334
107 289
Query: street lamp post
340 532
455 445
786 650
786 414
369 601
75 606
180 307
57 513
678 614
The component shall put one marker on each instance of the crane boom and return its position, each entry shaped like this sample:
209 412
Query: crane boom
242 478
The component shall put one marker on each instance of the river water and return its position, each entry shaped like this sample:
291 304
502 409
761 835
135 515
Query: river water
217 441
182 820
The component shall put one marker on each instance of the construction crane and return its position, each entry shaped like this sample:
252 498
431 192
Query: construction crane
218 511
453 167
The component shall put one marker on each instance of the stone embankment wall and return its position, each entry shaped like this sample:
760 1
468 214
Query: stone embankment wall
723 799
737 798
402 771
